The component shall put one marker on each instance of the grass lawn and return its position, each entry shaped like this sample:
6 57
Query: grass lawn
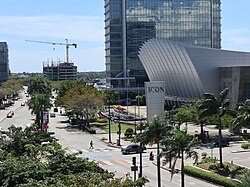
115 129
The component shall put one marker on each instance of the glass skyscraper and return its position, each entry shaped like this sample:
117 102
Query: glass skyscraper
129 23
4 62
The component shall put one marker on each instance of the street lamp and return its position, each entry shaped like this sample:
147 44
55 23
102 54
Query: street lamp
119 132
141 150
109 118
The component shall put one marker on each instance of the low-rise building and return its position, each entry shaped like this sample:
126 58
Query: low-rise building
189 70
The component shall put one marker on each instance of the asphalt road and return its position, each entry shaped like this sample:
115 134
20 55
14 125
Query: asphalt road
109 158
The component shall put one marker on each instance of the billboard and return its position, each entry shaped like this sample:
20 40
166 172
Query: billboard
155 99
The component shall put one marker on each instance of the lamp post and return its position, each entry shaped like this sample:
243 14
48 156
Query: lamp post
141 150
119 132
109 123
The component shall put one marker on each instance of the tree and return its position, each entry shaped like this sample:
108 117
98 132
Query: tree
83 101
245 180
39 104
56 168
13 84
176 145
39 85
153 133
243 118
211 106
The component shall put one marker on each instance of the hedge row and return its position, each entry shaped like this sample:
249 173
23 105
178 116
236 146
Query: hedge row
245 145
209 176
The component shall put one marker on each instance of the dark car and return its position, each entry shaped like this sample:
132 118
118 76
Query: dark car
224 143
52 115
133 148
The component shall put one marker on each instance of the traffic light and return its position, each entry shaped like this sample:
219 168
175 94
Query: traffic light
134 161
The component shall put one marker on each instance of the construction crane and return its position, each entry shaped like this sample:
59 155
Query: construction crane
55 43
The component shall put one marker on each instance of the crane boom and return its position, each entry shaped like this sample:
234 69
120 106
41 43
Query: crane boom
56 43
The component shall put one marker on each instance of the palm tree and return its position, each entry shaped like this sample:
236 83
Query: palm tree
154 132
211 106
38 104
176 145
39 85
245 180
243 118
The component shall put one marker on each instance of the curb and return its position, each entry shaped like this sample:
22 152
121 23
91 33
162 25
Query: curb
240 151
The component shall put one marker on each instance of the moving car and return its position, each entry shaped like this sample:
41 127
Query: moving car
52 115
22 104
133 148
224 143
9 115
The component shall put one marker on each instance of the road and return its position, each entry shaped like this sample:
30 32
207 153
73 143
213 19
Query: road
108 158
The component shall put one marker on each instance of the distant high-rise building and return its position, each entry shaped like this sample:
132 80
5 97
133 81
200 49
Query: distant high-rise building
4 62
129 23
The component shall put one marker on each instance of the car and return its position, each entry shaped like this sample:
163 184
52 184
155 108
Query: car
9 115
22 104
133 148
52 115
224 143
12 112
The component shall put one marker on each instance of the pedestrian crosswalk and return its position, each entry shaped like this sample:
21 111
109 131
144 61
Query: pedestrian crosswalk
103 163
87 151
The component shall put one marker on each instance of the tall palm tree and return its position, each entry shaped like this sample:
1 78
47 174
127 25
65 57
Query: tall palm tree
38 104
243 118
39 85
177 145
154 132
211 106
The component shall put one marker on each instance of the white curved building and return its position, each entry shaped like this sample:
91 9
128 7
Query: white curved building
190 70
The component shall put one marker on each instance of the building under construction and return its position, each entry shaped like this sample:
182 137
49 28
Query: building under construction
56 71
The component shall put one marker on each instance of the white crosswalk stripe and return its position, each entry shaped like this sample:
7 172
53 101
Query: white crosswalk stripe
92 150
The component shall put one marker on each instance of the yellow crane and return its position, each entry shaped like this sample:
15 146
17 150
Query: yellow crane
55 43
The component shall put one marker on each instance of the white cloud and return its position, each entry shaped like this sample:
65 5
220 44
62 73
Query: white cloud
86 31
236 39
82 28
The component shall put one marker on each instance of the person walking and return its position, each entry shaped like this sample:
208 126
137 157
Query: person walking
91 145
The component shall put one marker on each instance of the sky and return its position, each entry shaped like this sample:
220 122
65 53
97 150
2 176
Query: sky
82 22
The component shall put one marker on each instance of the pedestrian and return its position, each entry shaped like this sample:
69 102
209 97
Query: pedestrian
91 145
151 156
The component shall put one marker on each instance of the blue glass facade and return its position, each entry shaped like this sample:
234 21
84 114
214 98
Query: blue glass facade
129 23
4 62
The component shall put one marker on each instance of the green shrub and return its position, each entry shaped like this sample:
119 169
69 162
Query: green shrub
245 145
129 132
209 176
214 166
104 120
203 155
103 138
91 130
208 160
2 107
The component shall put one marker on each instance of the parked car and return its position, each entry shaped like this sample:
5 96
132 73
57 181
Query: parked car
224 143
52 115
133 148
9 115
